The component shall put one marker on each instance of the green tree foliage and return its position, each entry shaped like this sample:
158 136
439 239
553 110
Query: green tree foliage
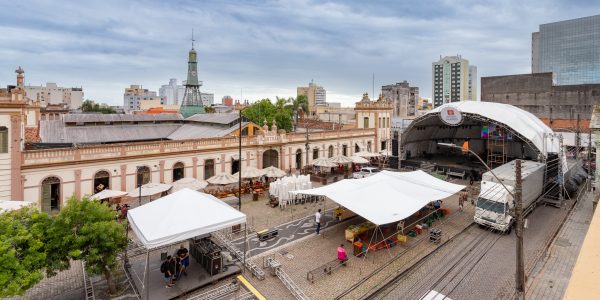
264 109
90 232
91 106
209 110
22 253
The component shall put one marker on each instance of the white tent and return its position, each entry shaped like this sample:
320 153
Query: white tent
180 216
149 189
387 196
189 183
6 205
106 193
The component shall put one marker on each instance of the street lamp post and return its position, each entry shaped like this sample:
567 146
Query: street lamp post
240 162
139 179
518 215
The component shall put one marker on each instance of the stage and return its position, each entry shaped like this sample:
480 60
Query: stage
196 279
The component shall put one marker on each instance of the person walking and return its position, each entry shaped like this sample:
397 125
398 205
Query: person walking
318 220
165 268
462 197
341 254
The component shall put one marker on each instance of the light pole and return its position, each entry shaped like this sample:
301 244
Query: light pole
240 161
139 178
518 215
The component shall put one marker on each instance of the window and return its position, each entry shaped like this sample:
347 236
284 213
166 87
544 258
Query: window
209 168
369 146
51 194
345 150
101 181
3 139
366 122
178 171
330 152
143 175
315 153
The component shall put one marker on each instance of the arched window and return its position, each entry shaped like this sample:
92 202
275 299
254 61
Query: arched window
270 158
178 171
369 146
209 168
3 139
143 175
51 194
345 150
356 148
330 151
101 181
298 159
315 153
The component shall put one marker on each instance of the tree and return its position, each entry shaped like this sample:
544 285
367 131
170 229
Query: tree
210 110
298 105
264 109
90 232
91 106
22 253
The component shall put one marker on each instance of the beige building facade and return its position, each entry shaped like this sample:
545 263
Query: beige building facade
52 94
316 95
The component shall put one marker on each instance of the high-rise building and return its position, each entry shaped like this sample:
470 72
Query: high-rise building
53 94
134 95
316 95
570 49
403 97
453 80
172 93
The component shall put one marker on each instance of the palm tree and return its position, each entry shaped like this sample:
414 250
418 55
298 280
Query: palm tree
297 106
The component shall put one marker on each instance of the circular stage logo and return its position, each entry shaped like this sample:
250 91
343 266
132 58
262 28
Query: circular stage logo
451 115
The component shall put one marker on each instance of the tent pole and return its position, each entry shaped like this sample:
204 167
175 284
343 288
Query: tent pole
386 245
245 247
147 276
373 235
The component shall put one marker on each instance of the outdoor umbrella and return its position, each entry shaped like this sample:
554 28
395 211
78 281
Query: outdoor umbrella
341 160
149 189
222 179
359 160
190 183
106 193
249 172
367 154
273 172
323 162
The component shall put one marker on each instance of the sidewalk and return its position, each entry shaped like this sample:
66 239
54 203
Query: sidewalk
550 278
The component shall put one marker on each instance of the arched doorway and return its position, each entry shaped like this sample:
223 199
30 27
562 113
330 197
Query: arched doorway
315 153
209 168
330 151
51 194
298 159
143 176
101 181
356 148
178 171
270 158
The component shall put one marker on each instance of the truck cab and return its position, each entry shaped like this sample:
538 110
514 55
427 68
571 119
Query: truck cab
493 206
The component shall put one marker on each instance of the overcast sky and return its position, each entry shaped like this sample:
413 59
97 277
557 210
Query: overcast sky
266 48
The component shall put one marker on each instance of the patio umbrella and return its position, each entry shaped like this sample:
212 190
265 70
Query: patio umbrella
106 193
359 160
249 172
190 183
367 154
341 160
273 172
323 162
150 189
222 179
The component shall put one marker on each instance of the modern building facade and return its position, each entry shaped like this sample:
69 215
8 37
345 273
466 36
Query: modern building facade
453 80
134 94
51 93
570 49
558 106
316 95
404 98
172 93
208 99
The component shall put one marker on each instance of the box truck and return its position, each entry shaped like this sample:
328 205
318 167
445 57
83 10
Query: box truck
495 203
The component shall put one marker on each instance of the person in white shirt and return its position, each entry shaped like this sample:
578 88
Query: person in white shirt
318 220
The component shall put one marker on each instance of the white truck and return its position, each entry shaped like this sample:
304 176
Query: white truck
365 172
494 202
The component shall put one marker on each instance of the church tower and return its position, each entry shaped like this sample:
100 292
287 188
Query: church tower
192 100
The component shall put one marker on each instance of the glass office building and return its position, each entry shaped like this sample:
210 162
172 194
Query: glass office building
570 49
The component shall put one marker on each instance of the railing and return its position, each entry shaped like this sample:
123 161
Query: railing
286 280
251 266
217 293
92 152
87 284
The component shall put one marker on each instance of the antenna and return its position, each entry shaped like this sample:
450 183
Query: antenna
193 38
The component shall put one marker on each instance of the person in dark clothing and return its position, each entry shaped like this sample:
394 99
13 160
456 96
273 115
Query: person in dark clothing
177 262
165 268
184 255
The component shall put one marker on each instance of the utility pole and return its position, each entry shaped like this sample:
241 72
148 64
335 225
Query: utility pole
560 175
520 270
589 160
577 139
307 146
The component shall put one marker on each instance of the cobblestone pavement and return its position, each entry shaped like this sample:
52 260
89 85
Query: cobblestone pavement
478 264
312 252
551 275
67 284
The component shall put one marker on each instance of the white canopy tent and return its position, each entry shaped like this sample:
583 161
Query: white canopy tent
158 223
387 196
106 193
6 205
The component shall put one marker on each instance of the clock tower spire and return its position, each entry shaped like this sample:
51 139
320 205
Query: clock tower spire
192 100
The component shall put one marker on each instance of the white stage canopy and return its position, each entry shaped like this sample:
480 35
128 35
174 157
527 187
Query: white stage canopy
180 216
387 196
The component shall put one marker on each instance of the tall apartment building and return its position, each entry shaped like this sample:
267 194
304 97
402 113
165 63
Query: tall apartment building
134 95
316 95
208 99
53 94
404 98
570 49
453 80
172 93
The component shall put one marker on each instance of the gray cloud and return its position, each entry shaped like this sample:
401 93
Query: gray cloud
266 48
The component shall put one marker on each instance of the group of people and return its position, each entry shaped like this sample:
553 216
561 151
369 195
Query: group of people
122 211
174 266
